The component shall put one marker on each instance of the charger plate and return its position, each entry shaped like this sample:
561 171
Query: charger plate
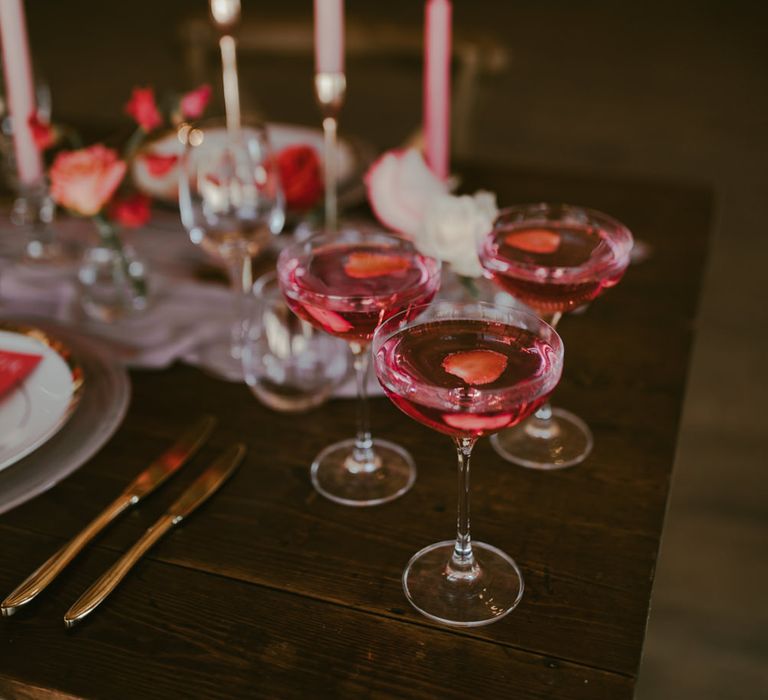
104 399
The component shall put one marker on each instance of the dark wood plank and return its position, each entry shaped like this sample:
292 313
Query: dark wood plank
170 632
586 538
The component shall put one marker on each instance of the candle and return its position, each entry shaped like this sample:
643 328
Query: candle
20 89
437 85
329 36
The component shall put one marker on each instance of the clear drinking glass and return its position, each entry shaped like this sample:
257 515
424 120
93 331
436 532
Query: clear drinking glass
554 258
231 203
289 364
346 284
466 370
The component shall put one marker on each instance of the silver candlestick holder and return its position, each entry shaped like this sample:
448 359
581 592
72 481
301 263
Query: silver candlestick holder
330 89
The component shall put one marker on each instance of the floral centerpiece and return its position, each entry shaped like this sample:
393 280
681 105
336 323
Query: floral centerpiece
91 181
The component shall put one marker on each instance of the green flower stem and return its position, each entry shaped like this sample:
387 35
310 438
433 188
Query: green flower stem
469 284
110 239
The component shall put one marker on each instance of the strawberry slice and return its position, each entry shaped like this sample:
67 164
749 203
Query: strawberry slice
534 240
364 265
329 320
475 366
476 424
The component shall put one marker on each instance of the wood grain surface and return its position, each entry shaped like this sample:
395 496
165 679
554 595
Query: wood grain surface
270 591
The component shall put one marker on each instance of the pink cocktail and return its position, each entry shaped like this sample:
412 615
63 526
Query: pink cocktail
347 285
466 370
554 258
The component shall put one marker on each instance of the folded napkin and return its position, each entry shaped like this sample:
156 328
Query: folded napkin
14 368
185 313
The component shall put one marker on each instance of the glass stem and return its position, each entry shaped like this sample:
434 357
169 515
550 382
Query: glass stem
540 424
364 459
241 279
462 564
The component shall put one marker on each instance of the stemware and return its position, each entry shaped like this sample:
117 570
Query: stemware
466 370
554 258
289 364
347 284
231 203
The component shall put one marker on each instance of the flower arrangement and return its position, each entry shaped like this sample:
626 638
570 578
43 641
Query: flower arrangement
91 181
407 197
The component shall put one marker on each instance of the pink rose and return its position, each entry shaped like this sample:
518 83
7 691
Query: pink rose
131 212
193 103
143 109
84 180
400 188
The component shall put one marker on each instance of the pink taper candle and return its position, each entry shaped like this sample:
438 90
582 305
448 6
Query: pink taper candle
437 86
329 36
20 89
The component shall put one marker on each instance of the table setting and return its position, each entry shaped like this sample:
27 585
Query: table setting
268 316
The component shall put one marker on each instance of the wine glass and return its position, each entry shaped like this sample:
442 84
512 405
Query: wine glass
554 258
231 203
347 284
466 370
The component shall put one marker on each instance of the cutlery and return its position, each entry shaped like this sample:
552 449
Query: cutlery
200 491
144 484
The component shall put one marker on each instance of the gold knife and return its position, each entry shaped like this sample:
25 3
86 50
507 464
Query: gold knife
145 483
200 491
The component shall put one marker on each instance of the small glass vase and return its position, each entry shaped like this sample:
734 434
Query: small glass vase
112 282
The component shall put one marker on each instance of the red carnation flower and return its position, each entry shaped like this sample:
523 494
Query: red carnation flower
131 212
143 109
193 103
43 134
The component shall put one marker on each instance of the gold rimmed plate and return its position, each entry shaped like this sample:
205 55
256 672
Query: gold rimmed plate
40 406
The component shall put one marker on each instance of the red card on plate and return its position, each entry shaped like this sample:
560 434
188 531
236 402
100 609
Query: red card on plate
14 368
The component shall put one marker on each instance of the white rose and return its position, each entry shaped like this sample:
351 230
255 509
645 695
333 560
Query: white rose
453 227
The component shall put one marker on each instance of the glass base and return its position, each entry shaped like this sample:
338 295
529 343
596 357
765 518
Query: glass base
563 441
491 590
218 360
338 476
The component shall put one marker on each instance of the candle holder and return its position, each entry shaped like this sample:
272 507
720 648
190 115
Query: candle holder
330 89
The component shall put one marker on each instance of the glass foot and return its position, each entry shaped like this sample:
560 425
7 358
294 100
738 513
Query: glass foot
490 591
218 360
337 475
562 441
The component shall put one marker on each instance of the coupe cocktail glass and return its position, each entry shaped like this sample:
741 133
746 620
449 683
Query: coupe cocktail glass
554 258
347 284
466 370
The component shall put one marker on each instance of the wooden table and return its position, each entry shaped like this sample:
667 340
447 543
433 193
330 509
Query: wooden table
271 591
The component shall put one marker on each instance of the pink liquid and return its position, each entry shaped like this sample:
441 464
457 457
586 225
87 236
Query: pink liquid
553 267
411 366
347 289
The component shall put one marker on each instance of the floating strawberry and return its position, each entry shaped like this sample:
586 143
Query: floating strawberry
329 320
364 265
477 424
475 366
534 240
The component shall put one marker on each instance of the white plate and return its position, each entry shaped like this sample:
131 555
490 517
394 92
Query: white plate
36 410
353 159
105 397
